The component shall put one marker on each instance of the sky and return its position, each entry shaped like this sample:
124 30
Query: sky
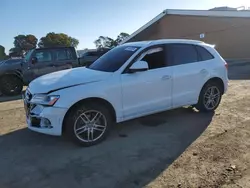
86 20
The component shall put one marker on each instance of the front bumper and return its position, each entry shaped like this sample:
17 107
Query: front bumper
47 120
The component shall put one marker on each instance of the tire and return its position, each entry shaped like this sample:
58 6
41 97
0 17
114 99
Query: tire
203 104
76 122
11 85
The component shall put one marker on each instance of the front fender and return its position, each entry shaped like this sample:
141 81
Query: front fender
17 73
72 95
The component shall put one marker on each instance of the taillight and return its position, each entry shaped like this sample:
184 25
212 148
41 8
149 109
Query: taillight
226 65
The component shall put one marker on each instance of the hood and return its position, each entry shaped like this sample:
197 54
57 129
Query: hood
66 78
11 62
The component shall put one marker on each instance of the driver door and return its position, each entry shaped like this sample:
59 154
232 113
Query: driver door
148 91
42 66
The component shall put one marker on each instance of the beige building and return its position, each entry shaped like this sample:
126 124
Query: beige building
228 30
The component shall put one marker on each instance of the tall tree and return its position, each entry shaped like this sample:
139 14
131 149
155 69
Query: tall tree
73 42
121 37
16 52
25 43
2 53
107 42
57 39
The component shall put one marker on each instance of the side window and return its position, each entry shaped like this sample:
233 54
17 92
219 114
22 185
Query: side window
43 56
102 52
69 54
63 54
182 54
91 54
204 54
155 57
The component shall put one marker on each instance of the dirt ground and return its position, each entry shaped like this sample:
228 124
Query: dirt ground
178 148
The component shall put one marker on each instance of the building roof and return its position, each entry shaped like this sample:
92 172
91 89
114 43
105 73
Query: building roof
207 13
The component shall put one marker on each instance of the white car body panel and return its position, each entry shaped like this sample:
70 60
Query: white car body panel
187 79
93 90
55 115
66 78
153 90
131 95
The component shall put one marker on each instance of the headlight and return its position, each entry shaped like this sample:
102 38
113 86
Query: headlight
48 100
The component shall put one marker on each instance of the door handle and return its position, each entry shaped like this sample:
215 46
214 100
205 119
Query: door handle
166 77
203 71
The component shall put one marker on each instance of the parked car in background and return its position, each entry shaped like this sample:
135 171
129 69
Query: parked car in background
91 56
130 81
15 73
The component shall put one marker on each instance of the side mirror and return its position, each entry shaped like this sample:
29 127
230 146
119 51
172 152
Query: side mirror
34 60
139 66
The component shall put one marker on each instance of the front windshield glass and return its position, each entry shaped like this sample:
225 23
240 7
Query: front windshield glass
114 59
27 55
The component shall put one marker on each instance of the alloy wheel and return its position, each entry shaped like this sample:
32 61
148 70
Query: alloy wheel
90 126
211 97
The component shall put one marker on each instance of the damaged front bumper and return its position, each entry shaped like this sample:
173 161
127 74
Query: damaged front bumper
44 119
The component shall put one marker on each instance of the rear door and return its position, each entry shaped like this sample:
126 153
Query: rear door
63 59
190 71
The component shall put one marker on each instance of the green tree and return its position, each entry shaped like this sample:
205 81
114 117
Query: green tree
24 43
2 53
107 42
57 39
16 52
121 37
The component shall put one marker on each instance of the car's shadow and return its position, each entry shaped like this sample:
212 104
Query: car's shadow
4 98
9 98
134 154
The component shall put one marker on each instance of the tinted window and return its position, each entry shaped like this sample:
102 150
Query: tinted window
91 54
43 56
28 55
182 54
155 58
102 52
114 59
63 54
204 54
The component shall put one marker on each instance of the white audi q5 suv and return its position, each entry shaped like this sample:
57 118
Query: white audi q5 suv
131 80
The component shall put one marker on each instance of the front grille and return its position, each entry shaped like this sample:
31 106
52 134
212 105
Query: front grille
27 98
35 122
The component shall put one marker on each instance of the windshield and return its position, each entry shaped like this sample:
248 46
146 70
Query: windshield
114 59
27 55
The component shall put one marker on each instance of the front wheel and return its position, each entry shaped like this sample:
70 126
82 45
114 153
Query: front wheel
88 124
210 97
11 85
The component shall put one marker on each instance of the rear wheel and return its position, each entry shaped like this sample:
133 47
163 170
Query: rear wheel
11 85
210 97
88 124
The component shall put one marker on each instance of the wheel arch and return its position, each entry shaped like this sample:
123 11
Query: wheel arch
217 80
213 79
96 100
16 73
